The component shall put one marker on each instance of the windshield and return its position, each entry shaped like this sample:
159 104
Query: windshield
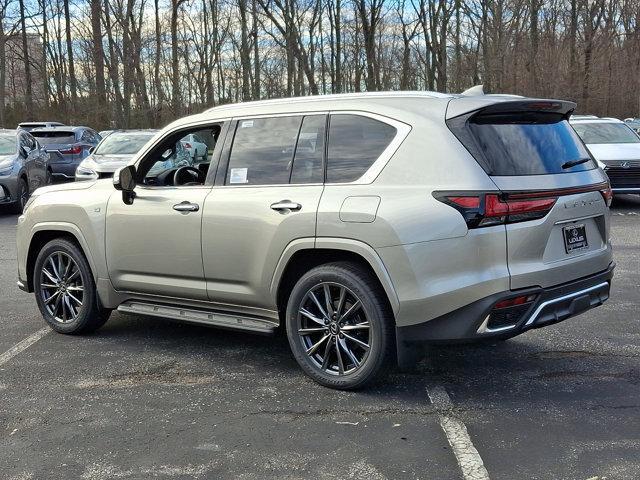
7 144
123 143
605 133
54 137
529 144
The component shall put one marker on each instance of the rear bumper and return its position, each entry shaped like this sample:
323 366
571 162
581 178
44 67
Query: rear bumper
551 305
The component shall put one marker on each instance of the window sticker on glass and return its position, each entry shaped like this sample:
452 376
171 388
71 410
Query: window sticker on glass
246 124
238 175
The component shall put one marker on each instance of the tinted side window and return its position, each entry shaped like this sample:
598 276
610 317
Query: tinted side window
262 151
355 143
307 164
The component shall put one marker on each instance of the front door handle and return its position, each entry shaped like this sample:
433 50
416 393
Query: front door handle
286 205
186 207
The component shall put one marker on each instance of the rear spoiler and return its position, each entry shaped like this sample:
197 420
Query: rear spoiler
496 104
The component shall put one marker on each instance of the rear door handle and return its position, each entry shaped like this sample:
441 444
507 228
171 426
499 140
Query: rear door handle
286 205
186 207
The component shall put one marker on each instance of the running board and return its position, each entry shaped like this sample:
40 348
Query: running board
204 317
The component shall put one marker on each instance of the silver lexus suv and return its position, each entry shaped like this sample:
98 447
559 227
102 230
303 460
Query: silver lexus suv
365 225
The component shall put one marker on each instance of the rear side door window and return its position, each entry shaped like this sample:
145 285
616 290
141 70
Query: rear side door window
263 150
307 162
355 143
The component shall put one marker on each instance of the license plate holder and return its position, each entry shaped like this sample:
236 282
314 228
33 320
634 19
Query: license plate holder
575 238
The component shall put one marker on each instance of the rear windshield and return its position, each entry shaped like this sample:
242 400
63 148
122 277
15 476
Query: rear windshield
55 137
601 132
528 144
8 144
123 143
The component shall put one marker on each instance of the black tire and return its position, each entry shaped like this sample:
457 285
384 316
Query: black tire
23 195
375 311
89 314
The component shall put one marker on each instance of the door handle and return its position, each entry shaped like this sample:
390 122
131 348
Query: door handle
286 205
186 207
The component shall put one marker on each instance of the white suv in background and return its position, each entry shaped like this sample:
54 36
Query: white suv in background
616 148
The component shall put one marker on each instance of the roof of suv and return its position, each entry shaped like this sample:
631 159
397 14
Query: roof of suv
333 97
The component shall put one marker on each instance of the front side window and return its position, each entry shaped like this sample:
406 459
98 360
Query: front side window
355 143
160 164
603 133
262 151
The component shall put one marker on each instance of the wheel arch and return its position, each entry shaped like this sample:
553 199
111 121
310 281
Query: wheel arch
44 233
302 255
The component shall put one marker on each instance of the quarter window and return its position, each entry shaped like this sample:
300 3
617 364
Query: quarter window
355 143
262 151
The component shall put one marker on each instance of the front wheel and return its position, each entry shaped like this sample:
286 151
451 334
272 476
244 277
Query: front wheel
339 325
65 290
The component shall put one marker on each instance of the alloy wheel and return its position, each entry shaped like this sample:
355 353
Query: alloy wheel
61 287
334 328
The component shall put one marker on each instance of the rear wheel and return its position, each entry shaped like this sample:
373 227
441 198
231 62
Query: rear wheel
339 326
65 290
22 197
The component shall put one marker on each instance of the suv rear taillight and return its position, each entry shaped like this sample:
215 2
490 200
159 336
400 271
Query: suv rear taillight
75 150
486 209
607 194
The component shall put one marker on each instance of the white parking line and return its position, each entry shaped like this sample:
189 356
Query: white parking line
23 345
466 454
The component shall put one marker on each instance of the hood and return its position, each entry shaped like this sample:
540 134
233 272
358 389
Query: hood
107 163
614 151
63 187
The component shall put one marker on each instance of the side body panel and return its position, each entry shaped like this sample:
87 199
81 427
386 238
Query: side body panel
152 248
244 238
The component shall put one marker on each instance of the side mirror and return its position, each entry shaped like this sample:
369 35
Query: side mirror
23 151
124 180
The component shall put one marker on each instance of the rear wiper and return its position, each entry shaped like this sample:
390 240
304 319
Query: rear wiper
573 163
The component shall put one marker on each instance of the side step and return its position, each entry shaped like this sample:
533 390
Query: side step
205 317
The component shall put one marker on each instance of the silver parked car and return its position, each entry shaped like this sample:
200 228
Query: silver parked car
23 168
112 153
616 147
364 224
67 147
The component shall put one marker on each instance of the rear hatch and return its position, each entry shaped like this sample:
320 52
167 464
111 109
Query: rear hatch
60 144
551 196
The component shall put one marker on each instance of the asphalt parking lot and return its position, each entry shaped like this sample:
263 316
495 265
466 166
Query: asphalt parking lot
147 398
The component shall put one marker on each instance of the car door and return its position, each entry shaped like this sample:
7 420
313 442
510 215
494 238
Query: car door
38 162
266 196
153 246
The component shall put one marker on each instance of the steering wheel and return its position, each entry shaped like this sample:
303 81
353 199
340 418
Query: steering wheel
188 175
